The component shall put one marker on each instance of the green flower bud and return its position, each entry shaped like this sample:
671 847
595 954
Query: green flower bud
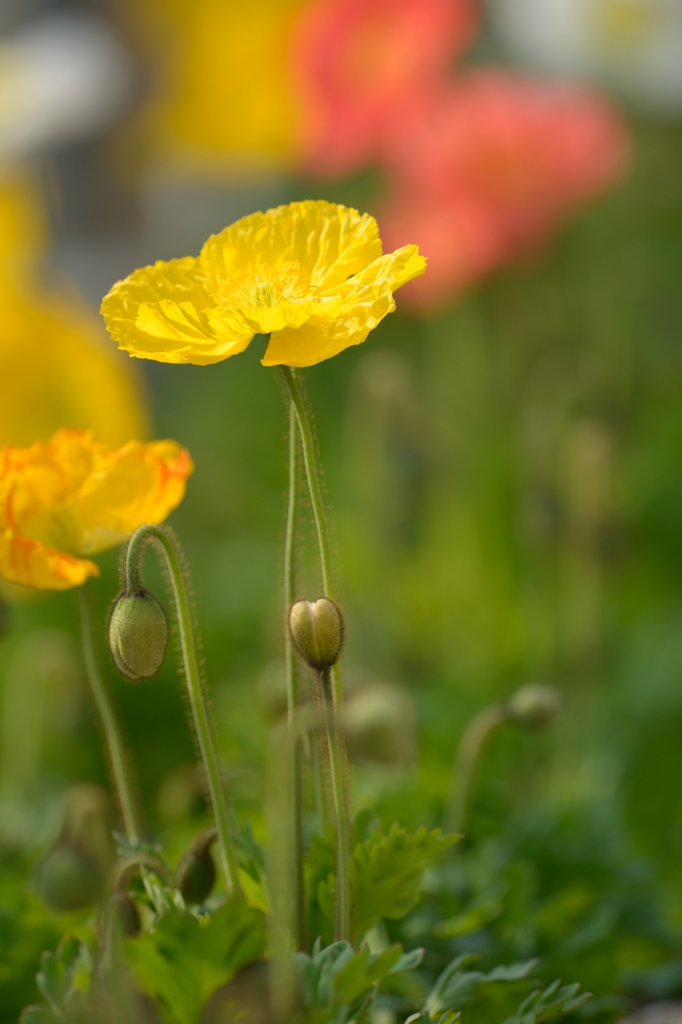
69 879
379 724
138 634
317 631
534 705
196 873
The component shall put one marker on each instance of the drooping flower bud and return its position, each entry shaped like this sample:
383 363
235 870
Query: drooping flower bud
196 873
74 872
534 705
70 879
317 631
138 634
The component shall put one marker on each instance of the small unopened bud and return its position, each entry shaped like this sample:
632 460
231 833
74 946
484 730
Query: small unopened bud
138 635
317 631
196 873
70 879
534 705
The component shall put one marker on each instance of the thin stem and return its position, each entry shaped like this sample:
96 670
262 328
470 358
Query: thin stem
337 749
475 736
117 755
343 902
197 699
292 682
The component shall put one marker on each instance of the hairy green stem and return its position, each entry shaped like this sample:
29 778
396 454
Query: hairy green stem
164 543
336 772
292 683
117 754
475 736
337 750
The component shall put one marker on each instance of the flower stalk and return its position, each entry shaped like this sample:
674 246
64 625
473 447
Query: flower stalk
292 685
474 739
334 691
166 545
117 755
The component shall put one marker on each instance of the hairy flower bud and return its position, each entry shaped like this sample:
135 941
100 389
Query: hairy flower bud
196 873
138 634
317 631
534 705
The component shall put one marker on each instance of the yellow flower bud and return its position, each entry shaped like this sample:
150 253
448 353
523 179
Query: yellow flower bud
534 705
196 873
317 631
138 635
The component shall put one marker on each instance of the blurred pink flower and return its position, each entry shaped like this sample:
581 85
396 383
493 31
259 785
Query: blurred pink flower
487 166
356 62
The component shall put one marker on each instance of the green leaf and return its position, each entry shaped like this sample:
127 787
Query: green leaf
553 1002
339 979
184 959
386 872
455 986
62 975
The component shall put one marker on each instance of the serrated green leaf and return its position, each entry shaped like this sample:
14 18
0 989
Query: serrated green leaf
455 986
386 872
184 960
545 1005
339 979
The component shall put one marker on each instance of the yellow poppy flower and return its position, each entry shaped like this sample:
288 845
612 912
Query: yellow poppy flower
312 275
70 497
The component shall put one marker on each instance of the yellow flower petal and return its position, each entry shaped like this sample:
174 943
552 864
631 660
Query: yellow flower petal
140 483
329 241
313 344
163 312
32 564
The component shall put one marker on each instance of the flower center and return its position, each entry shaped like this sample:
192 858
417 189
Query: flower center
265 286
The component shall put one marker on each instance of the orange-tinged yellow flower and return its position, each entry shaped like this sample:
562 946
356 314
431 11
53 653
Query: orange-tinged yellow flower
65 499
312 274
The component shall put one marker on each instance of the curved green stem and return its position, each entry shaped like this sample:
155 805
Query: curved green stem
292 683
337 752
475 736
167 546
117 754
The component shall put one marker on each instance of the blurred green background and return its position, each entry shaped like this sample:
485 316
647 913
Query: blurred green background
505 488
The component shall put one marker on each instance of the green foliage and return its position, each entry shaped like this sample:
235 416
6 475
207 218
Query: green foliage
386 872
456 985
338 982
185 959
64 980
553 1002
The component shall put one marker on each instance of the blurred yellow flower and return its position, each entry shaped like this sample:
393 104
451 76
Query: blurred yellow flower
223 88
310 274
55 370
70 497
